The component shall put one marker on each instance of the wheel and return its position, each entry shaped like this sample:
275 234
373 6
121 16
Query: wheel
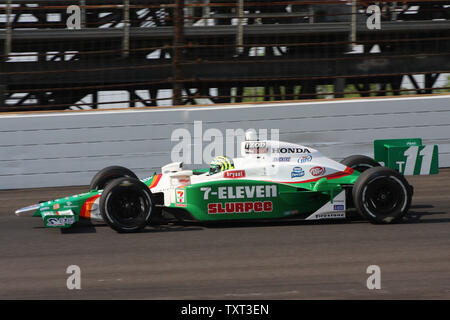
108 174
126 205
382 195
360 163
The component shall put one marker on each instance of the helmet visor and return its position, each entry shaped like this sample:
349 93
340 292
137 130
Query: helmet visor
214 168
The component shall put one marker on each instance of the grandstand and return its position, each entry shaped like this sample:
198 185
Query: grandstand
131 53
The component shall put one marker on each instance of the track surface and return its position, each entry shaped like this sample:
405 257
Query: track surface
232 261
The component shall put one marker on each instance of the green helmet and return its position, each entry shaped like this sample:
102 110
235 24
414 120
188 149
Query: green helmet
220 164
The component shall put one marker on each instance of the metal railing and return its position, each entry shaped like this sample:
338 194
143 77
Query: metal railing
215 51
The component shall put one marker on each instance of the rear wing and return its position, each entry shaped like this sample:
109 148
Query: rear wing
407 156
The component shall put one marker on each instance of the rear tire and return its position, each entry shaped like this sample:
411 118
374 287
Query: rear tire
382 195
126 205
108 174
360 163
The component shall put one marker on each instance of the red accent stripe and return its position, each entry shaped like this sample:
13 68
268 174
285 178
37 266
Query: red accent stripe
155 181
87 206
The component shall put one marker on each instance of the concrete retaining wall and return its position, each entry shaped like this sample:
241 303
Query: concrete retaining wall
68 148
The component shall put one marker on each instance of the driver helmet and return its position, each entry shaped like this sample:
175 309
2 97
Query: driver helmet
219 164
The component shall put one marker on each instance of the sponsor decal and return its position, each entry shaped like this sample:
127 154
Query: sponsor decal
282 159
304 159
57 222
338 207
69 206
297 172
290 150
56 206
317 171
180 195
234 174
47 213
255 147
183 181
291 212
330 215
240 192
240 207
64 213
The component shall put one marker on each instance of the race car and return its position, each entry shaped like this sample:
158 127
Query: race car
271 180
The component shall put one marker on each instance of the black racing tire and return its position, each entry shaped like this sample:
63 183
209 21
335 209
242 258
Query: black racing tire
360 163
108 174
126 205
382 195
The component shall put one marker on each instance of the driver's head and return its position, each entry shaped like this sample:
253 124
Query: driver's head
219 164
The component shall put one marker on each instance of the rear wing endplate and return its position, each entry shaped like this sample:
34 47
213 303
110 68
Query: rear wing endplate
407 156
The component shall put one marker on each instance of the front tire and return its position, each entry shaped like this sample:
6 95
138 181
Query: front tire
360 163
382 195
108 174
126 205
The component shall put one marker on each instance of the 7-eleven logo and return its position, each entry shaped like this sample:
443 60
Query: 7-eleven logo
180 198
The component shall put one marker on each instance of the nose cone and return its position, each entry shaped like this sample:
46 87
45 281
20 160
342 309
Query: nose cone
27 211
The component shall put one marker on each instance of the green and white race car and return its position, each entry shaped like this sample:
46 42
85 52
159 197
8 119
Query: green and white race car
272 180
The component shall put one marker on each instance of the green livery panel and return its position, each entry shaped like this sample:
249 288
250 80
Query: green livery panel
63 212
214 201
247 199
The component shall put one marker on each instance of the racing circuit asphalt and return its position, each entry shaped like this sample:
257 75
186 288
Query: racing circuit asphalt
230 261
